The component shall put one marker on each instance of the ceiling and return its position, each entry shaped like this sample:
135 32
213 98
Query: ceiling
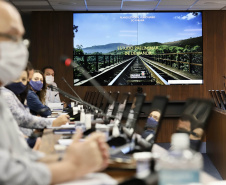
118 5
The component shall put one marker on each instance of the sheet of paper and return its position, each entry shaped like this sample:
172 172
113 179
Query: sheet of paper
93 179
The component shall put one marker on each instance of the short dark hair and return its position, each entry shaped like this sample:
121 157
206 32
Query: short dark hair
29 66
47 67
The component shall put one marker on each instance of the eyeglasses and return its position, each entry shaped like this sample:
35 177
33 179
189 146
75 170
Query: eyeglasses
26 42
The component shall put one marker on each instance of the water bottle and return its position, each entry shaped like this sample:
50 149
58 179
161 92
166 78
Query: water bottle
82 116
181 165
88 120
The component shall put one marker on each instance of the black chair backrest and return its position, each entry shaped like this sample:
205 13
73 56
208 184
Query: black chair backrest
111 105
100 103
223 96
220 99
97 99
135 110
194 120
153 124
89 99
121 107
216 99
86 96
106 101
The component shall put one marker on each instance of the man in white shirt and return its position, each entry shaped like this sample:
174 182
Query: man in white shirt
20 164
51 95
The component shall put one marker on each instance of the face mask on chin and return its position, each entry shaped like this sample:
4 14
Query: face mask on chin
16 88
36 85
13 60
49 79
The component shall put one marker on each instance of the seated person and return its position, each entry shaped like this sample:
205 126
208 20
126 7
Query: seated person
188 125
51 95
20 164
15 95
151 124
36 95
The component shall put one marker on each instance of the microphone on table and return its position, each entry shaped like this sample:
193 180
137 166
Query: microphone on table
69 62
51 87
72 89
143 143
69 96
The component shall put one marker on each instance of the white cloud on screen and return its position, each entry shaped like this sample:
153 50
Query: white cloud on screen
128 33
193 30
188 17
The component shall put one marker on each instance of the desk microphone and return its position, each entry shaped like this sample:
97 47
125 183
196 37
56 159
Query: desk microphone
68 62
69 96
72 89
143 143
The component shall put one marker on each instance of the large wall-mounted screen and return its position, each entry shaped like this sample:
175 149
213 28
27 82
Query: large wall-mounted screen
152 48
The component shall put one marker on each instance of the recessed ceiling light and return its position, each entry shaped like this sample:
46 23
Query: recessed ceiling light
140 0
67 3
215 2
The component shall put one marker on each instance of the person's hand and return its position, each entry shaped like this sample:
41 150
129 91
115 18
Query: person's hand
37 144
103 147
88 156
61 120
64 103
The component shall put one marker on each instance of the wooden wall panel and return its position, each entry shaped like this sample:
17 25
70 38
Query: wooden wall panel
216 141
52 37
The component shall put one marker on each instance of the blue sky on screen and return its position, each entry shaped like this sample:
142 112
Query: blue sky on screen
135 28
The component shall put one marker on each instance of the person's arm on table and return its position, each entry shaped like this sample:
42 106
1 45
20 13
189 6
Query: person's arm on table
36 105
80 158
60 120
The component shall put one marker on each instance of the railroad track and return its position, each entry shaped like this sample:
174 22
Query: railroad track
160 73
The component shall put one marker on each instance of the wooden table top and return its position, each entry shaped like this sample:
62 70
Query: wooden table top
119 171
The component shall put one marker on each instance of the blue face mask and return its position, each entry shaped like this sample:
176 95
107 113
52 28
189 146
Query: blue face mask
16 88
36 85
151 123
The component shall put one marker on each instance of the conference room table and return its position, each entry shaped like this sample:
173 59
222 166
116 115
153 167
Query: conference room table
117 170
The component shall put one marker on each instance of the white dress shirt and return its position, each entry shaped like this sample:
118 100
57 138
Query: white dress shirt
52 96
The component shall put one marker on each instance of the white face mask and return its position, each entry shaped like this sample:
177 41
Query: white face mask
13 60
49 79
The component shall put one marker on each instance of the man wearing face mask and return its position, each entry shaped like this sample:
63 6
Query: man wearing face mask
19 164
51 95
